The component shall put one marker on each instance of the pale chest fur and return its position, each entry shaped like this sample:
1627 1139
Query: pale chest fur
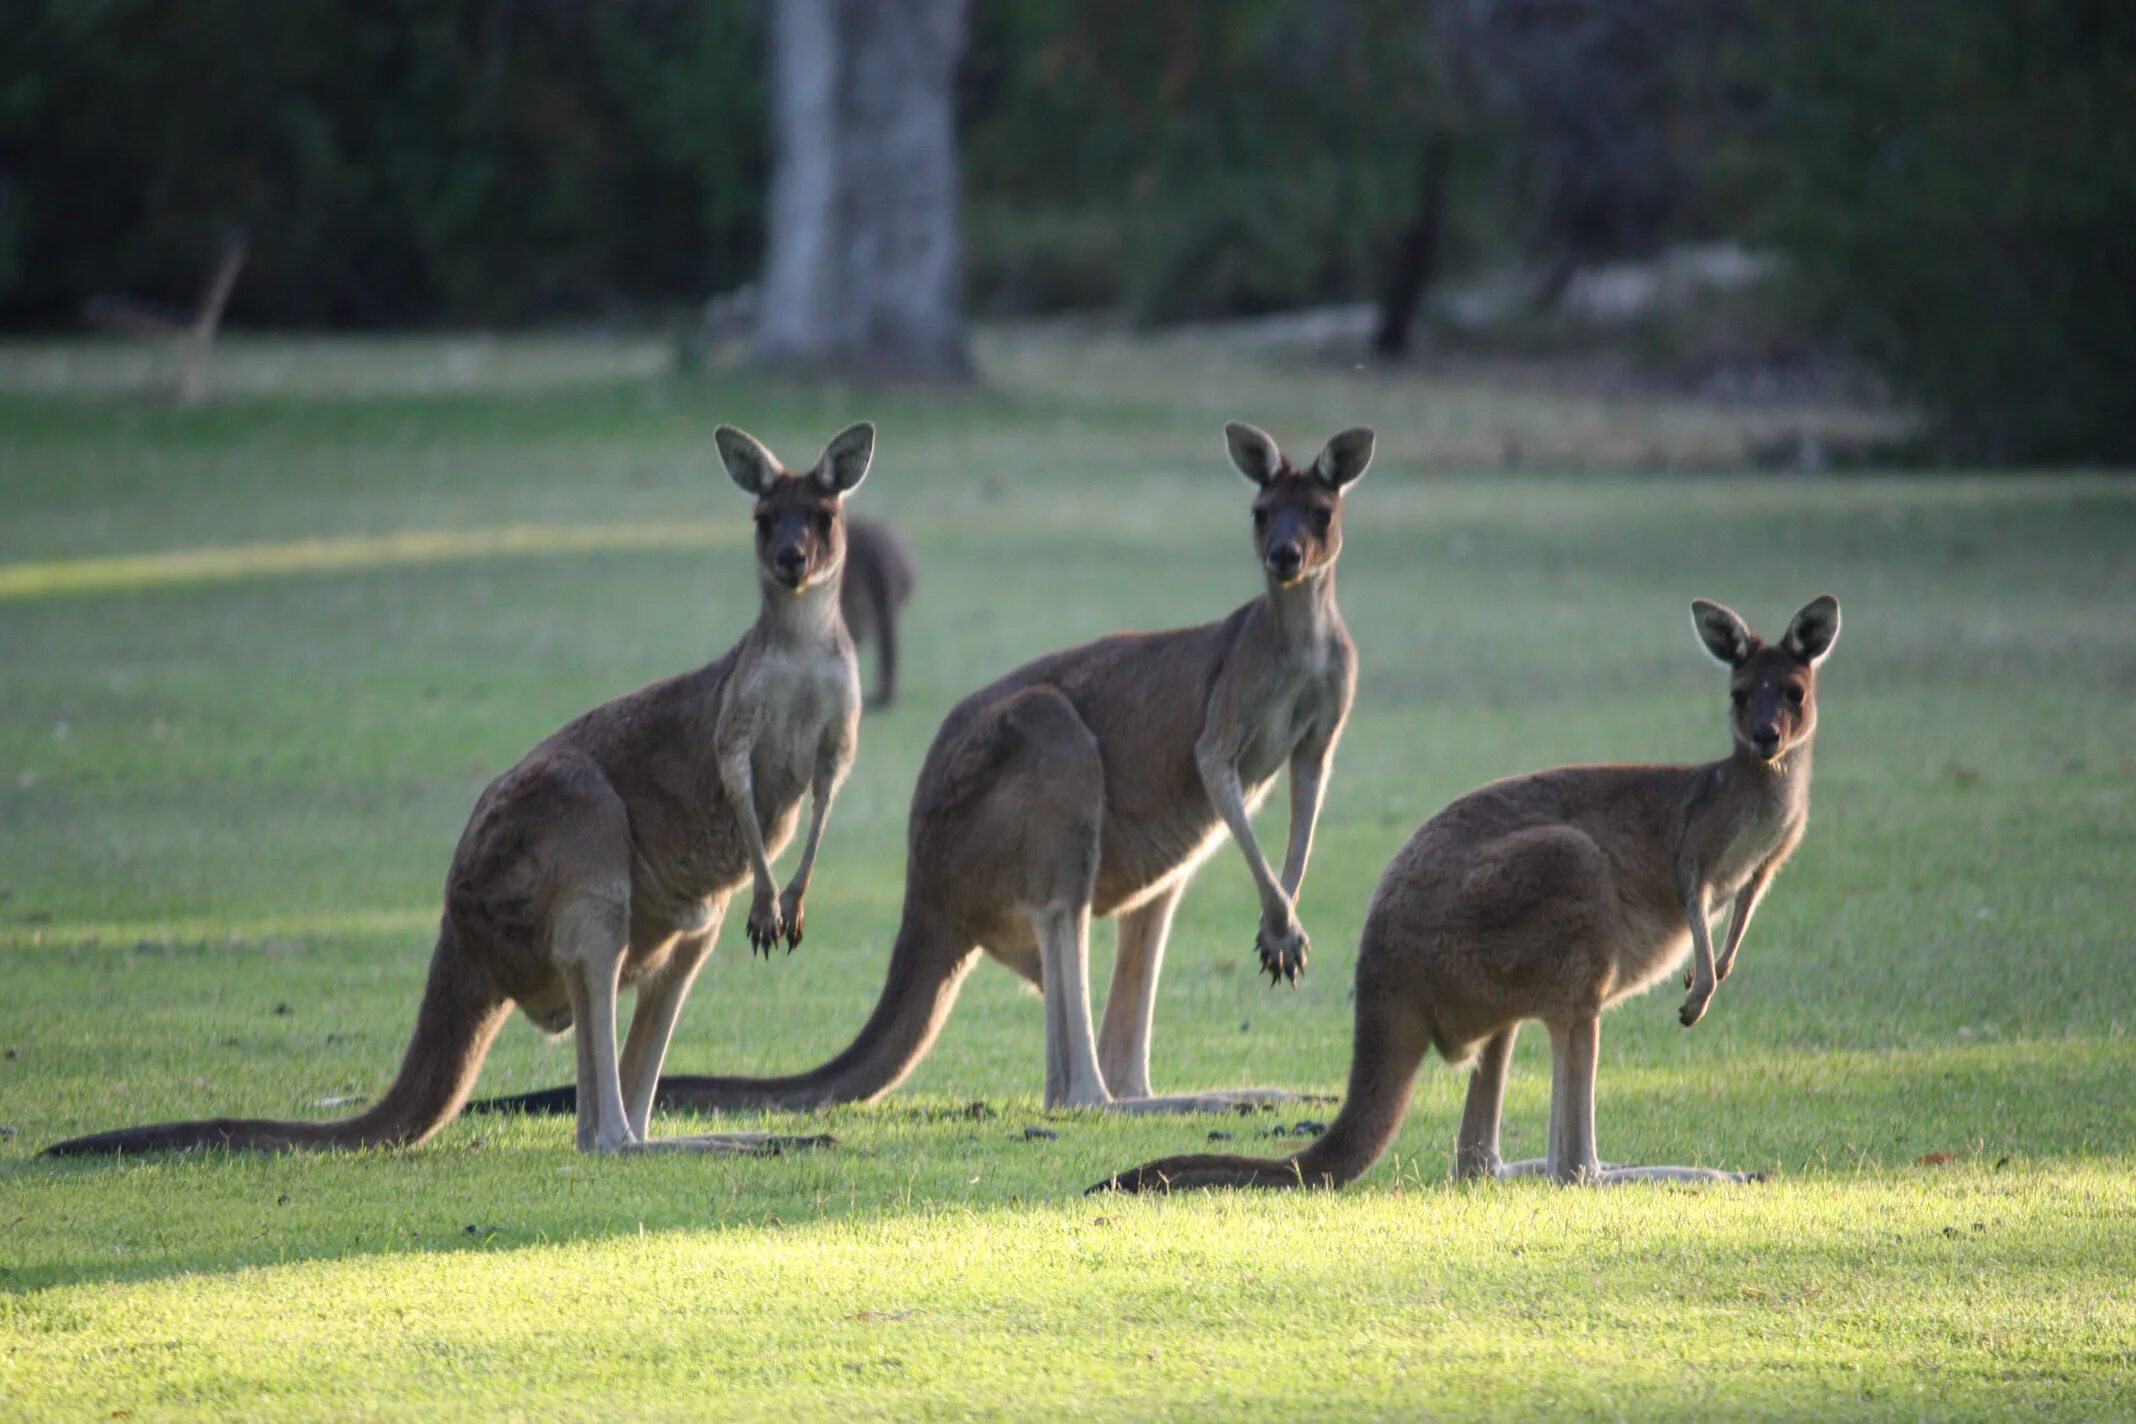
1297 694
783 707
787 701
1748 838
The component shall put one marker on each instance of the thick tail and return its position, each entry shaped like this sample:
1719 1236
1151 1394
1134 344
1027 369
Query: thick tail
926 970
460 1013
1391 1040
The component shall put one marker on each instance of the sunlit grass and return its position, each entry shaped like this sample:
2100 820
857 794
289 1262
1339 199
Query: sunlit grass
53 578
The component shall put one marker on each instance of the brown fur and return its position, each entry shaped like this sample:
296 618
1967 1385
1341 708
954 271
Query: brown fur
1553 896
878 579
606 856
1093 782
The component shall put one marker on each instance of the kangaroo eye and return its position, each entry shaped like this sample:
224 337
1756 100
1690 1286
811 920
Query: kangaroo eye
1260 519
1794 696
1740 696
763 519
1321 520
823 521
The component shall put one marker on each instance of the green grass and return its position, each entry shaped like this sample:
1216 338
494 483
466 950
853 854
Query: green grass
257 659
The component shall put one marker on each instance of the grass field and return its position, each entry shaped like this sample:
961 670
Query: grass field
257 659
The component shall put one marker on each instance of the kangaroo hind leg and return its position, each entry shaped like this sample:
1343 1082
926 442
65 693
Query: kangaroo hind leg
590 935
1576 1048
652 1024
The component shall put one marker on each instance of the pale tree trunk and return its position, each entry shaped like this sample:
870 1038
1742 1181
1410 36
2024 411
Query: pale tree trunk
863 272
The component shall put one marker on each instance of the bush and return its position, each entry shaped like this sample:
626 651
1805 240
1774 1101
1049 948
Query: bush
408 161
1956 181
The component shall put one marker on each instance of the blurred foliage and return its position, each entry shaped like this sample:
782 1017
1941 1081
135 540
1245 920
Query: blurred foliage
1248 156
1956 182
396 161
1200 158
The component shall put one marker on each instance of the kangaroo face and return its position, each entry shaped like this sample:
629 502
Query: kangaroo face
800 533
1773 702
800 519
1297 516
1772 688
1297 526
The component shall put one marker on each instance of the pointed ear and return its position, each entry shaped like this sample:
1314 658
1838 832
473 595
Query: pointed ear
1346 457
1726 636
1814 630
1253 452
845 460
748 463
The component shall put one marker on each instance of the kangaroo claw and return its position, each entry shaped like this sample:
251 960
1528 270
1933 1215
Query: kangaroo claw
1280 971
764 931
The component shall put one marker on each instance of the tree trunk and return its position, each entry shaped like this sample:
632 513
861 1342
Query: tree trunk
1416 255
863 273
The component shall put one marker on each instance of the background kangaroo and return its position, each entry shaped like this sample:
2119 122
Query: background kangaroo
878 580
606 856
1551 897
1093 782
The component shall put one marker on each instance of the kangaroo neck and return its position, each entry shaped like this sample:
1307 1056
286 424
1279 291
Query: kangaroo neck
1303 610
799 617
1785 780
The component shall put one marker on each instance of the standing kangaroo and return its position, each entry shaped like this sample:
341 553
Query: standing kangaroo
1093 782
1552 896
607 855
878 580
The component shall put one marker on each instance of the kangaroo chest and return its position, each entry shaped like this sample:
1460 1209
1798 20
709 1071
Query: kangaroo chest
1278 715
785 704
1754 835
791 700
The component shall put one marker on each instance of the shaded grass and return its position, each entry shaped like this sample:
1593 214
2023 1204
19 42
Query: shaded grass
222 798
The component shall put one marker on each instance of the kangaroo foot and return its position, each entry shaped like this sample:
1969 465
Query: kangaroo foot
721 1144
1223 1100
1540 1167
1612 1175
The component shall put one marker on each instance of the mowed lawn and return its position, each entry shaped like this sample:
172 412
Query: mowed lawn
257 660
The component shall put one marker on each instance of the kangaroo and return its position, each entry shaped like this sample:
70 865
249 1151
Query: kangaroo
607 855
1094 781
1552 896
878 580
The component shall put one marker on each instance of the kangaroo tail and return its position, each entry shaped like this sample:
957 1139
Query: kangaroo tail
1392 1038
927 968
460 1013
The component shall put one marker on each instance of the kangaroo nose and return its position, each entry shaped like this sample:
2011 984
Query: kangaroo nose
1284 559
789 559
1767 738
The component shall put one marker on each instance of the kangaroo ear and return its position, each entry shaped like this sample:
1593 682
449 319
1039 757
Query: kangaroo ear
846 459
1253 452
1815 629
748 463
1346 457
1726 636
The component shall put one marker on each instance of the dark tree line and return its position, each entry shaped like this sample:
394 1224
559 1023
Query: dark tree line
1952 180
396 162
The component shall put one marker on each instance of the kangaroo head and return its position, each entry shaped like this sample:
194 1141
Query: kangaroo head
1773 686
1297 516
800 519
